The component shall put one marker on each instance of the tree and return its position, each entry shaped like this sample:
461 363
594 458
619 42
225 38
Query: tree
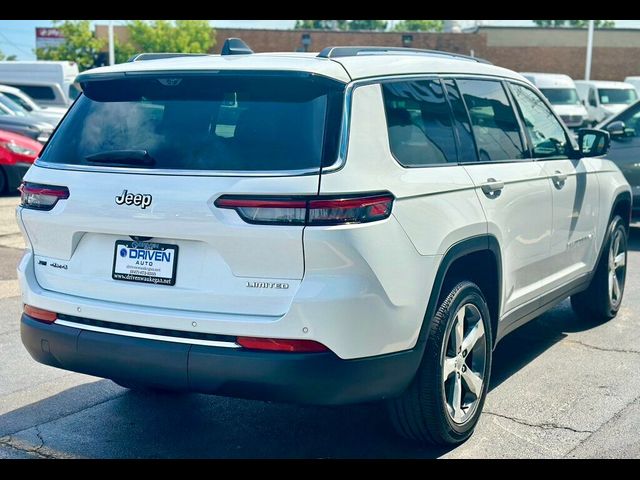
80 45
184 36
574 23
367 25
321 25
7 57
124 51
419 26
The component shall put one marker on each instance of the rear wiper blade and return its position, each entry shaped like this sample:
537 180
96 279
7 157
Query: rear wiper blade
122 157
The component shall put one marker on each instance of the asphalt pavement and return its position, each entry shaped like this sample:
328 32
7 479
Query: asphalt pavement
560 388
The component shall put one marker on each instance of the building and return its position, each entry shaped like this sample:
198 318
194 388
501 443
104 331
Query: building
616 52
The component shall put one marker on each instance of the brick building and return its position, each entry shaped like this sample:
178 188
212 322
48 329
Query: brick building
616 52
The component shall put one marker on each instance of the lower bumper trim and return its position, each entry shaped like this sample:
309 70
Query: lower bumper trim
308 378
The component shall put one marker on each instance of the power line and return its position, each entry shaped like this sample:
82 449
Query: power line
15 45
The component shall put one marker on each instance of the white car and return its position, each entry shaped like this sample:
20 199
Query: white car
363 224
604 99
562 95
52 115
49 83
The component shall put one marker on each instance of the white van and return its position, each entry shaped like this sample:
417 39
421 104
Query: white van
563 96
635 81
604 99
50 84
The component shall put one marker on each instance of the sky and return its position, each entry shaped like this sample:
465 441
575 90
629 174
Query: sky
17 37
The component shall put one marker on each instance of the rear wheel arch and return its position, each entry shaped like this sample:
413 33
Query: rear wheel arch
477 259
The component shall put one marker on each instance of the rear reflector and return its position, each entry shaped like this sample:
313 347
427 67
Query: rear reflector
311 211
41 197
45 316
281 345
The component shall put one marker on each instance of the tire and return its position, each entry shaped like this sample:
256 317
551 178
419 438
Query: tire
601 301
423 412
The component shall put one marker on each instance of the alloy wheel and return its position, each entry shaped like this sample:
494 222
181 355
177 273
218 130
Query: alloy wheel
463 363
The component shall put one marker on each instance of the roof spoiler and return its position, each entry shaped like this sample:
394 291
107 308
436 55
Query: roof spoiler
235 46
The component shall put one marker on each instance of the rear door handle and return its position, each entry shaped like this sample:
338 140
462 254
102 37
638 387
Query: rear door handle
492 188
559 179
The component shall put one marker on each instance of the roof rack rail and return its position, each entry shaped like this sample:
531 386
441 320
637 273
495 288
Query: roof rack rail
335 52
235 46
139 57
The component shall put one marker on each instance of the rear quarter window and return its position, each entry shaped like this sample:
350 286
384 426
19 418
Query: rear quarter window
419 123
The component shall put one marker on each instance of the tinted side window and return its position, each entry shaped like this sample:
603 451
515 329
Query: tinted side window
493 121
546 135
419 123
37 92
467 148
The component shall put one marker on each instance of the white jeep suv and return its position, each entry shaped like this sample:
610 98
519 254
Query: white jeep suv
357 225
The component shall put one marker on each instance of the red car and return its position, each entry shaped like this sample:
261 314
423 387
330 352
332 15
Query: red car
17 153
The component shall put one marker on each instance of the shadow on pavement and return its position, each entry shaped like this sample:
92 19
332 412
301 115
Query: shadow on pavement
128 424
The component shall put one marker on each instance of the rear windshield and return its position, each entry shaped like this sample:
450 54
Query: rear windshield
561 96
216 122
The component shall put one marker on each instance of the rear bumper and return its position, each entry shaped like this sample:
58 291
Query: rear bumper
309 378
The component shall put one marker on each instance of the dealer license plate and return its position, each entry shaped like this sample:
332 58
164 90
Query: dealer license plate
146 262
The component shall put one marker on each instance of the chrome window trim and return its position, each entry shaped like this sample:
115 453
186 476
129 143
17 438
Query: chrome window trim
148 336
185 173
336 166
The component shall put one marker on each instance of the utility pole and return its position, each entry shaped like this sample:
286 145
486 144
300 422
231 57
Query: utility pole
587 67
112 54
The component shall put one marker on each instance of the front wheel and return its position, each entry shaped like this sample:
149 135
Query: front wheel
602 299
443 403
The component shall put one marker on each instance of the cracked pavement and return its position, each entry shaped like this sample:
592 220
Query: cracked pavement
560 387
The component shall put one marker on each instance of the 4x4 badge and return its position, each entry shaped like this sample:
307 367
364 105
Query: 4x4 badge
142 200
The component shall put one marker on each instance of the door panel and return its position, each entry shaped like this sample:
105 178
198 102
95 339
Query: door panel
514 193
575 216
520 218
574 192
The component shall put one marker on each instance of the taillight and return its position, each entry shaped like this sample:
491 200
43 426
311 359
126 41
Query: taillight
41 197
281 345
45 316
349 210
309 211
275 211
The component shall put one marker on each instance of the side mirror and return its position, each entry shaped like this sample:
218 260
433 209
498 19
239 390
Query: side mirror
616 129
593 142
